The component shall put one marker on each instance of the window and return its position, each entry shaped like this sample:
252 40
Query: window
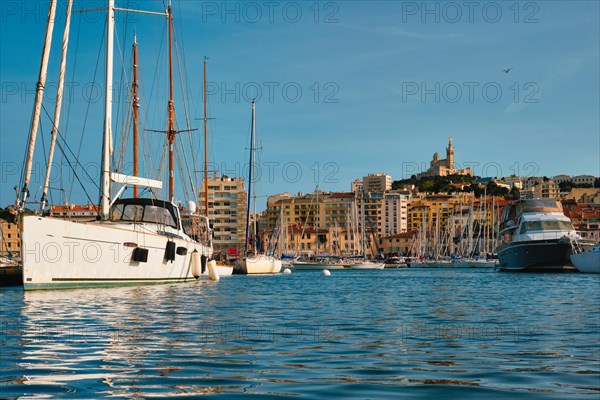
139 213
158 215
529 226
132 212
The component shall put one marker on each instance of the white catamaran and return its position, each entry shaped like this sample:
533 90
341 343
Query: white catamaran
134 241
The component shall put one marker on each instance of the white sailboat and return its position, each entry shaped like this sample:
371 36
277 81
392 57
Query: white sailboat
254 263
364 264
135 241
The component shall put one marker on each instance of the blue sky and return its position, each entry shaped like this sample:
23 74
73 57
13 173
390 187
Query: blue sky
346 88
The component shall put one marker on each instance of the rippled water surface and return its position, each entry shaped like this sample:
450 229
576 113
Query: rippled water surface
412 334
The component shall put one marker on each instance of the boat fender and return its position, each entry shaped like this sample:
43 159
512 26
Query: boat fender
196 264
139 254
213 274
170 251
181 251
203 261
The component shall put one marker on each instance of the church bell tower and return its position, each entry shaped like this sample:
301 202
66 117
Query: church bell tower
450 154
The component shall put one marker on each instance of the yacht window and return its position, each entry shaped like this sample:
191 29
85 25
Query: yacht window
523 228
158 215
117 212
546 226
132 212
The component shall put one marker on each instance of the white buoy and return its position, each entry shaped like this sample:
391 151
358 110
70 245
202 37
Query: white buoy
196 264
287 271
326 272
213 274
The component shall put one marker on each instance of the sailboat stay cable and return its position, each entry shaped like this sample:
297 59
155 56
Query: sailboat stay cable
179 163
189 173
183 72
187 119
187 81
73 168
69 103
89 103
66 144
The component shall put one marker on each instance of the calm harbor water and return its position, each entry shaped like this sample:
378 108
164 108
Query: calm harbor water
406 333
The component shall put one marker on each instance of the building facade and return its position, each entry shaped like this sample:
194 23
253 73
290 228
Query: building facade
377 183
10 242
73 212
400 244
546 189
227 202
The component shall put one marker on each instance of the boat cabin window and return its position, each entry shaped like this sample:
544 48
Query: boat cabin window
142 213
529 226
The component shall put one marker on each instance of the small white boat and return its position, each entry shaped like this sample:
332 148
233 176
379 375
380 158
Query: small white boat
587 262
260 264
366 265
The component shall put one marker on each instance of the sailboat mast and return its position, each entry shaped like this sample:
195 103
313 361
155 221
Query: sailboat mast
253 166
106 141
171 130
362 226
205 146
250 181
37 108
136 106
59 97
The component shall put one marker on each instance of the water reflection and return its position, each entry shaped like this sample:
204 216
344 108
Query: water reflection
364 334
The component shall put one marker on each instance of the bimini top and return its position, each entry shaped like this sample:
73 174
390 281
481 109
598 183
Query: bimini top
145 210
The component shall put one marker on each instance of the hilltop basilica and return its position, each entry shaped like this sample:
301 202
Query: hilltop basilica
444 167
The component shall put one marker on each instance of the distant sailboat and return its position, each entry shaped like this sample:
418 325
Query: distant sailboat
364 263
253 262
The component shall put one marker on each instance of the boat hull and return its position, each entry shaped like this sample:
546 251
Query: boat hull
260 265
588 262
536 255
482 264
222 270
366 265
58 253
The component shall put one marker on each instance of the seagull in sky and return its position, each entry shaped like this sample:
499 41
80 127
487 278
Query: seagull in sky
506 71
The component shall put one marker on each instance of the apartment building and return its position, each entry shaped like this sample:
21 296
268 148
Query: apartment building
227 202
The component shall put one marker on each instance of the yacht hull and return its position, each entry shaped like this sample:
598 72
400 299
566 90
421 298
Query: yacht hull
58 253
535 255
